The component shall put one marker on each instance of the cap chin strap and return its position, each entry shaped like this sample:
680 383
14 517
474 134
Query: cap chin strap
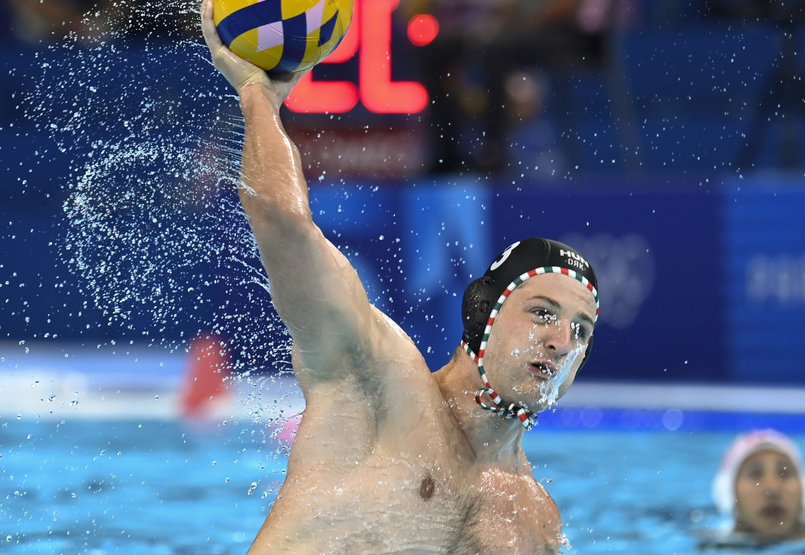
527 418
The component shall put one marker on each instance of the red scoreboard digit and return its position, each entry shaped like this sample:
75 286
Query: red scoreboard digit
375 89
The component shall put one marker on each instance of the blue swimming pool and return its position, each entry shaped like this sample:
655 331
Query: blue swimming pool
167 487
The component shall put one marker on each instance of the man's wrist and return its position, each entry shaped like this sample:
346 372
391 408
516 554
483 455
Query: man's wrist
256 78
258 91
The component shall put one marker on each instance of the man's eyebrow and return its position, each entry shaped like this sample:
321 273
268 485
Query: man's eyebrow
556 305
583 316
548 300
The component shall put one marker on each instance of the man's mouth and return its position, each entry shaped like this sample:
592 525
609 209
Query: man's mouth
542 370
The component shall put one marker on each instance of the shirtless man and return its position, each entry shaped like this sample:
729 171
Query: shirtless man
389 457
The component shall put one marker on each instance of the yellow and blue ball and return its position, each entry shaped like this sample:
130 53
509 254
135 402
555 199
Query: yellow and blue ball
282 36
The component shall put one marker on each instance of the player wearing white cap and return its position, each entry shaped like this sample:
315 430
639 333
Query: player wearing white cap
759 485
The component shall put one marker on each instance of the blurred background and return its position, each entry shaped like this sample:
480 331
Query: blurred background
665 139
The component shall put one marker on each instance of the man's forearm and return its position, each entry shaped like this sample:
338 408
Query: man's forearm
271 168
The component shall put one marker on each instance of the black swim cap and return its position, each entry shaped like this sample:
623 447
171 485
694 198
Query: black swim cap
531 256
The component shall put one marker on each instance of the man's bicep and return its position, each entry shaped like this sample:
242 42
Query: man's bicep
316 292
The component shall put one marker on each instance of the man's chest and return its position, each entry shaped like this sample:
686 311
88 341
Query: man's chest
514 514
411 485
433 506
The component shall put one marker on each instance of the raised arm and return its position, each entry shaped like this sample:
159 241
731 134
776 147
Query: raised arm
315 290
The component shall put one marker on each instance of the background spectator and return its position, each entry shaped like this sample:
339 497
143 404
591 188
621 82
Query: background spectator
483 48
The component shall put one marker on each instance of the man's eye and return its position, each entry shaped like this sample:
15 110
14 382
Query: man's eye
579 332
543 314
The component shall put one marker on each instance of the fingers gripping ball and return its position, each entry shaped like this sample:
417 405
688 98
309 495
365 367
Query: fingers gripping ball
282 36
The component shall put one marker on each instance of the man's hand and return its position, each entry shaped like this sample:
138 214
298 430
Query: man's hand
238 71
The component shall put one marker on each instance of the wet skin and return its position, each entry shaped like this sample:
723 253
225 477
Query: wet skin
768 490
389 457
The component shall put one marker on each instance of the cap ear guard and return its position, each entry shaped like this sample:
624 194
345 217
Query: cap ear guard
479 298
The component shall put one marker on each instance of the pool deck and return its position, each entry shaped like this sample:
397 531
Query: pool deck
51 381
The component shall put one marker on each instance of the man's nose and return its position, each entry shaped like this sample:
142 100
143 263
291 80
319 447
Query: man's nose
560 337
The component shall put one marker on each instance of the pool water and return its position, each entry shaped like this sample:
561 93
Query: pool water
168 487
130 487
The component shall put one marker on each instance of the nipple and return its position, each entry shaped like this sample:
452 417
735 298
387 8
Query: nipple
427 488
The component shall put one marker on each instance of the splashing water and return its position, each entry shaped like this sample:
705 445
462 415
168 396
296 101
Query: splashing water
549 390
153 225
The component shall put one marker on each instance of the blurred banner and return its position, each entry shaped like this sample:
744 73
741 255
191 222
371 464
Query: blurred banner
764 275
695 285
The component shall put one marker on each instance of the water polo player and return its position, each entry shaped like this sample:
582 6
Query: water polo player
389 457
759 486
